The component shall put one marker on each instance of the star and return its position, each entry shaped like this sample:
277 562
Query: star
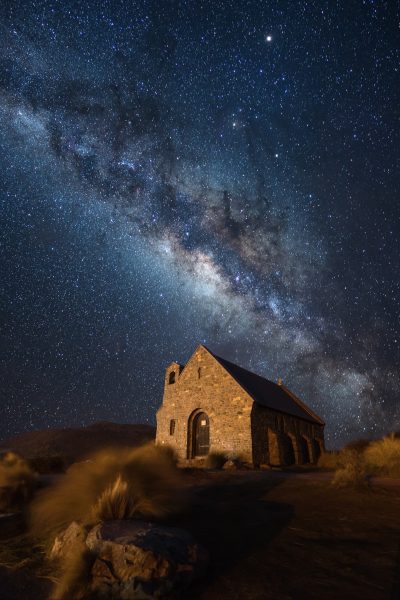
152 197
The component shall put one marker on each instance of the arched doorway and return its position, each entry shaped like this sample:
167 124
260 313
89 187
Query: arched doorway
199 439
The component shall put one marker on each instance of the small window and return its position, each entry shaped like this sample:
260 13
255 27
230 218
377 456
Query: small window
171 377
199 372
172 424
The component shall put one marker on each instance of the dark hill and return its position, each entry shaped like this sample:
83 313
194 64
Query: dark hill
76 443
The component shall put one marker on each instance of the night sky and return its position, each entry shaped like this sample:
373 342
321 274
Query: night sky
185 172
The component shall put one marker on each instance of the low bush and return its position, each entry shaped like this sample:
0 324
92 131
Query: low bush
382 457
216 460
114 484
351 469
17 482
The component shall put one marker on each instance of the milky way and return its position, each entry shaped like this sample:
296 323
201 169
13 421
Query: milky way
176 173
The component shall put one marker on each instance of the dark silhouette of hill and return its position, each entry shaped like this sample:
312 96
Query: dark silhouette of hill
76 443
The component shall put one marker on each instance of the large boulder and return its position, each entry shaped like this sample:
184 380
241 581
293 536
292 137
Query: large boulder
136 560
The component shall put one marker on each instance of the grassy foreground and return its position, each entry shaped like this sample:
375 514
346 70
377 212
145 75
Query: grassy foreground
269 536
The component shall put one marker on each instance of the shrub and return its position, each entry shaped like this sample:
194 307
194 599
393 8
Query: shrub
383 456
119 483
350 471
17 482
215 460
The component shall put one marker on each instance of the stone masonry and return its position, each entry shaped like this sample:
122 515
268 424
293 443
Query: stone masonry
238 425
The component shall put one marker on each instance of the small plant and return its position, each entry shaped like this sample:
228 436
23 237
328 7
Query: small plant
215 460
73 575
351 470
117 501
17 482
383 456
113 484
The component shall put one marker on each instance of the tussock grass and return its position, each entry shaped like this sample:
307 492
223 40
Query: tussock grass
114 484
363 458
74 574
350 471
17 482
383 457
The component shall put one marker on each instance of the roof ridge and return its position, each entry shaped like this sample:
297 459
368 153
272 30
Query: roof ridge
237 366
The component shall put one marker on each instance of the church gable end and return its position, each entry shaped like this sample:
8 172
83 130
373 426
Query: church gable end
204 386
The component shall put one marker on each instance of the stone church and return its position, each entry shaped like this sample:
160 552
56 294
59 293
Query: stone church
213 405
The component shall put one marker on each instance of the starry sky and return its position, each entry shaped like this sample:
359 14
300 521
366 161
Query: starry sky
199 171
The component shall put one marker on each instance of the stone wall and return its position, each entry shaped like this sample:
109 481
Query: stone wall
277 438
205 385
238 425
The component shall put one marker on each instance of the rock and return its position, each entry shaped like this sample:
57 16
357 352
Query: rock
139 560
231 465
64 543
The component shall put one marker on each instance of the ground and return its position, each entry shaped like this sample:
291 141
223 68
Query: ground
271 535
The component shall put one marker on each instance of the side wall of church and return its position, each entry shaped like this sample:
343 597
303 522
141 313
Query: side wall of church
279 439
204 385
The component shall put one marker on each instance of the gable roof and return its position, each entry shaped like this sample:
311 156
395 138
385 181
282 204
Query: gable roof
267 393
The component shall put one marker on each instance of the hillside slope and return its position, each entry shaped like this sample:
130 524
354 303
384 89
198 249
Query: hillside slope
76 443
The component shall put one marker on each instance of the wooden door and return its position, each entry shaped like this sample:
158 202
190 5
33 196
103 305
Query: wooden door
201 435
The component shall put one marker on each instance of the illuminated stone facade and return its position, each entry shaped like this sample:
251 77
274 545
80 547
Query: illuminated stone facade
211 405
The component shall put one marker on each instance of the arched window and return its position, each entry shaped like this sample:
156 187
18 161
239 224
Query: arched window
171 377
172 424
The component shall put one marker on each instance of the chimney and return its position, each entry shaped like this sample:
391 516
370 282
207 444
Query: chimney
280 381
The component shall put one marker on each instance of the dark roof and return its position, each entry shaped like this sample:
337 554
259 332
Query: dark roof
267 393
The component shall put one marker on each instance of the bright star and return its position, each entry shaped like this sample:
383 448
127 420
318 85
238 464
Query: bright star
268 38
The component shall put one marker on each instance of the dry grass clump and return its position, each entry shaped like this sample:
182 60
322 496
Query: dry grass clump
383 457
113 484
363 458
350 471
216 460
17 482
74 574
